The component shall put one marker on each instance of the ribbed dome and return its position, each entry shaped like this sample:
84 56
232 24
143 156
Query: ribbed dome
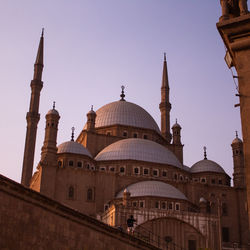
153 188
124 113
138 149
73 148
206 166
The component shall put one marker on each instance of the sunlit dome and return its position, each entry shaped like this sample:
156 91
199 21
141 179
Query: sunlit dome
206 166
153 188
140 150
124 113
73 148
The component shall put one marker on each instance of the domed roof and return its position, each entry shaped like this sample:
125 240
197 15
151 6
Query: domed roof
206 166
140 150
124 113
53 111
153 188
176 125
73 148
237 141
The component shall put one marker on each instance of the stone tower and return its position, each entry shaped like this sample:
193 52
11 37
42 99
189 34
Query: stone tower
176 134
91 115
33 117
48 161
165 105
238 159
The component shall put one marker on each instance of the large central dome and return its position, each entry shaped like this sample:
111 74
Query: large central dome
124 113
140 150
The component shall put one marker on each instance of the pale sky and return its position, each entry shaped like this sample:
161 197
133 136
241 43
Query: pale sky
92 47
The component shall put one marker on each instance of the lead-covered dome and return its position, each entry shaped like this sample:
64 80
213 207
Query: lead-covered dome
73 148
124 113
140 150
206 166
153 188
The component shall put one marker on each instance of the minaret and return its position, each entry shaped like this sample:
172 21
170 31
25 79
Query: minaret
49 149
33 117
165 105
238 158
48 162
91 115
176 133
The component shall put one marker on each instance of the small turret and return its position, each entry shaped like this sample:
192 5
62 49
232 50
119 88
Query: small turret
33 117
49 148
176 133
238 159
91 115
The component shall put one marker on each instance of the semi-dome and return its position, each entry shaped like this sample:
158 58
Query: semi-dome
153 188
73 148
206 166
140 150
124 113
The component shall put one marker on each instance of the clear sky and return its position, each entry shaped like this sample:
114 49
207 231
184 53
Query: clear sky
92 47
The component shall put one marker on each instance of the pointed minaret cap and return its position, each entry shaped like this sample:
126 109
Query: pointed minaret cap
165 83
39 57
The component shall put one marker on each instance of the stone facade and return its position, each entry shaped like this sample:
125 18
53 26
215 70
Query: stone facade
30 220
235 34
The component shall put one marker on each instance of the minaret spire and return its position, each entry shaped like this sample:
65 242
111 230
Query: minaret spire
33 116
165 105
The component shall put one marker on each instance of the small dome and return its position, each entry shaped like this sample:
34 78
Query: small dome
73 148
53 112
91 112
124 113
237 141
176 125
153 188
206 166
140 150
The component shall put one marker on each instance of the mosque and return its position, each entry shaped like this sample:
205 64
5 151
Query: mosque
122 164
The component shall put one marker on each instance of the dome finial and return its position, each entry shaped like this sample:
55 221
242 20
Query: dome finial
122 94
91 107
54 105
72 134
205 153
42 32
176 121
236 132
164 56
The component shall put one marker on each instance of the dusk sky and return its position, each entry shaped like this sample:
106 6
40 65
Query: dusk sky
92 47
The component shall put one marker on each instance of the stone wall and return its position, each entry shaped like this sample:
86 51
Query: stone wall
30 220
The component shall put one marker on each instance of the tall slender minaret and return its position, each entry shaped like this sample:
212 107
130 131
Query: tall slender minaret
33 117
165 105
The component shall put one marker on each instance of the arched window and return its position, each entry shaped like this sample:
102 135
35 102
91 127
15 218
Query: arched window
122 170
79 164
71 163
71 192
89 194
59 163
